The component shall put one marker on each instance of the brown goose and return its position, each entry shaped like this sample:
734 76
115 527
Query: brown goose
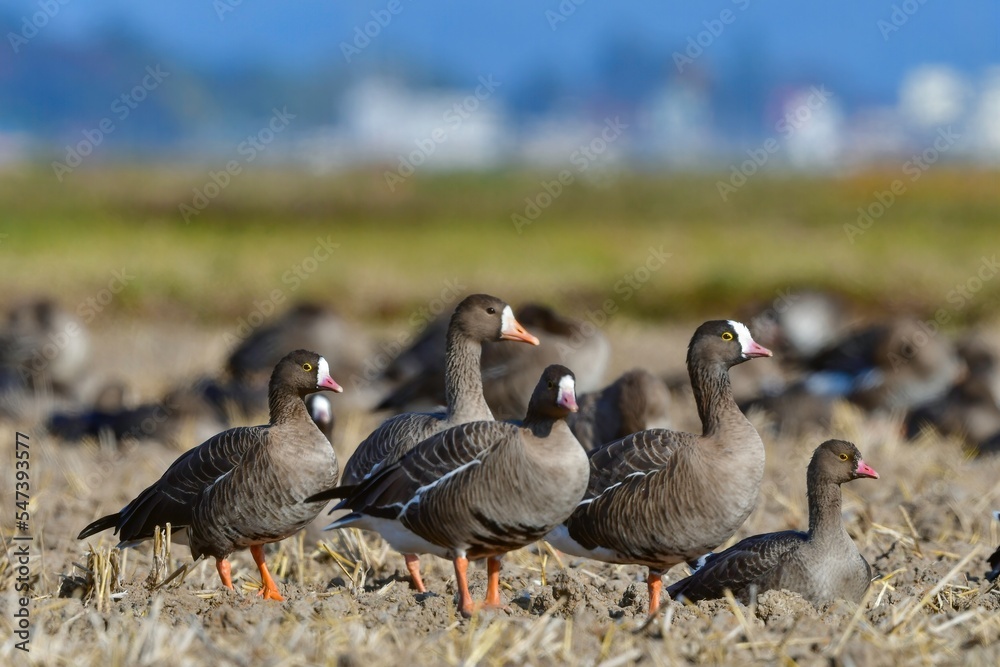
245 486
658 498
636 401
822 565
477 319
509 371
480 489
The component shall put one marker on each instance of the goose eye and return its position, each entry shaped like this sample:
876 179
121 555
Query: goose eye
727 336
307 367
491 310
844 457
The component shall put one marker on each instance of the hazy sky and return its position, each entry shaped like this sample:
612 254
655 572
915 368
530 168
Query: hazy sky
841 39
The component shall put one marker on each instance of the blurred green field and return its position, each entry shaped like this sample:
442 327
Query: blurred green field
397 249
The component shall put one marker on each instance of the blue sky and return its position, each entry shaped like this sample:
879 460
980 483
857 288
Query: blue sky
838 39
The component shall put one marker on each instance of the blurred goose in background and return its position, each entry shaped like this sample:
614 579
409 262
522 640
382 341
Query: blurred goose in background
509 372
971 408
245 487
43 347
478 319
822 564
658 498
320 409
799 324
480 489
303 326
636 401
895 365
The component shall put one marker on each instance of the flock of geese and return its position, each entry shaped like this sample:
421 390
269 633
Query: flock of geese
460 485
529 446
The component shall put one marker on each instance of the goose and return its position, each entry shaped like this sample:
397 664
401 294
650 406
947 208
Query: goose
509 372
636 401
994 559
896 365
244 487
658 498
822 564
477 319
480 489
320 410
43 347
304 325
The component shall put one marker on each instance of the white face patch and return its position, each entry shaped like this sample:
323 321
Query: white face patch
567 386
507 320
743 334
321 409
322 372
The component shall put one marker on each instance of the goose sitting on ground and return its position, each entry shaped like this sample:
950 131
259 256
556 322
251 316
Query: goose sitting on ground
896 365
509 372
478 490
821 565
244 487
636 401
658 498
477 319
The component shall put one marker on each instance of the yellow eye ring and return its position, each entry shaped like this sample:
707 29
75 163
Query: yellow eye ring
307 367
844 457
727 336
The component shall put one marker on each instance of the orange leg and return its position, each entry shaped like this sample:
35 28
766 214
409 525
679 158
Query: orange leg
413 565
461 576
225 572
270 589
654 582
493 581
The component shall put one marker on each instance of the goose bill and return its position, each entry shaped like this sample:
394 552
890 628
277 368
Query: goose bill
511 329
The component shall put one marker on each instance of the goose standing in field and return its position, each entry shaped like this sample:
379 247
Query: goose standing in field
822 565
509 372
244 487
477 319
480 489
658 498
636 401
